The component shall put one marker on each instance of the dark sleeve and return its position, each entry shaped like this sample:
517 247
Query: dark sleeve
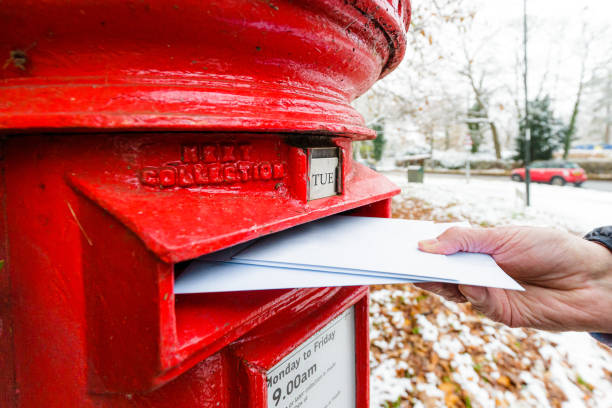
603 235
605 338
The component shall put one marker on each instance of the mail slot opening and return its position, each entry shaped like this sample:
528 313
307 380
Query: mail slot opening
302 256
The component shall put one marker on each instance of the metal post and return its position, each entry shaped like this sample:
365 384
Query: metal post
527 129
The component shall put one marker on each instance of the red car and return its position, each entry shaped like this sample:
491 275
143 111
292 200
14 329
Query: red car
555 172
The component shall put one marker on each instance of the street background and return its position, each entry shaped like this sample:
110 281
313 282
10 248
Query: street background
472 70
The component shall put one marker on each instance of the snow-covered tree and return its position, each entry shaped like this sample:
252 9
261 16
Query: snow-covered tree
379 142
475 119
547 132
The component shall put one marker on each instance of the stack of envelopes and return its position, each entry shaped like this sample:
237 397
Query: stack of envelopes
339 251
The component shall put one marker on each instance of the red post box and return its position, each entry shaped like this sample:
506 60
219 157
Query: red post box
138 135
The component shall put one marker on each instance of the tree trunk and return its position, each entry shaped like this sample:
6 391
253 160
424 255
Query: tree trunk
608 118
495 140
446 138
480 100
571 129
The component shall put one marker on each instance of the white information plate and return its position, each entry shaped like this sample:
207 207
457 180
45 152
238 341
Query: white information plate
323 172
320 373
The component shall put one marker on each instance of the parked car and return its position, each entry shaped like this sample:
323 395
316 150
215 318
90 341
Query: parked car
556 172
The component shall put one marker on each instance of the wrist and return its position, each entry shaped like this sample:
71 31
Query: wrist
601 262
600 280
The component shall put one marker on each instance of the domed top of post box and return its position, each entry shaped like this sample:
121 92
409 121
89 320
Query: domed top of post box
232 65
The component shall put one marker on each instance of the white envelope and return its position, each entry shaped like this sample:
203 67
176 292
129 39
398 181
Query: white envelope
372 246
206 277
340 251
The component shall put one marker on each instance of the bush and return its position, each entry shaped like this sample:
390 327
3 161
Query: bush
595 166
475 164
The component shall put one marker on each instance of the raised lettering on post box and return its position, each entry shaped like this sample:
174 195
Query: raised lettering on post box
320 372
212 165
324 172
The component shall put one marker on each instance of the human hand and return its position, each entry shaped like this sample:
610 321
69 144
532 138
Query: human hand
567 279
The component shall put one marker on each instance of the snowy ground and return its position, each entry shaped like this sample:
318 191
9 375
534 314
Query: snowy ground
427 352
499 202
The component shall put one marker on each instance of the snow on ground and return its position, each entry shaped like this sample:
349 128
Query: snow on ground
428 352
499 202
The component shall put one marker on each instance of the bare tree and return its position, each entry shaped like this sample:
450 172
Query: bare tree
571 128
481 94
599 88
414 90
607 103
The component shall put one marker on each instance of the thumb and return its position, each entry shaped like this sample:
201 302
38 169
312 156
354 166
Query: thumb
476 295
456 239
488 301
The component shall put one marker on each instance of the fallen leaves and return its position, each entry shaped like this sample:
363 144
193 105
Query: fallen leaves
504 381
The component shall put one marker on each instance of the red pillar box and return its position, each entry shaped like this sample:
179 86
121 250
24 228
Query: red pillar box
139 135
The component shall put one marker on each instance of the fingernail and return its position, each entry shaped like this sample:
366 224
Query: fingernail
428 244
475 294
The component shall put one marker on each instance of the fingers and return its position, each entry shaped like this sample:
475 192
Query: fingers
456 239
448 291
491 302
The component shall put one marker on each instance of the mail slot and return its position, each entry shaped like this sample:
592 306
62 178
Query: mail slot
138 136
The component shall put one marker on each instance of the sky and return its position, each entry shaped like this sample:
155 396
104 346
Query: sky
557 31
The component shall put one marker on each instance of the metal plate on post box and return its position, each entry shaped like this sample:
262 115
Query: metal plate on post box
320 372
324 169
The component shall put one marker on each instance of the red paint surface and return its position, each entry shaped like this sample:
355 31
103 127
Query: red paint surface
95 215
273 65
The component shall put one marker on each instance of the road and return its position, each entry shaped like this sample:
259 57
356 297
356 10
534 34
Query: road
600 185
